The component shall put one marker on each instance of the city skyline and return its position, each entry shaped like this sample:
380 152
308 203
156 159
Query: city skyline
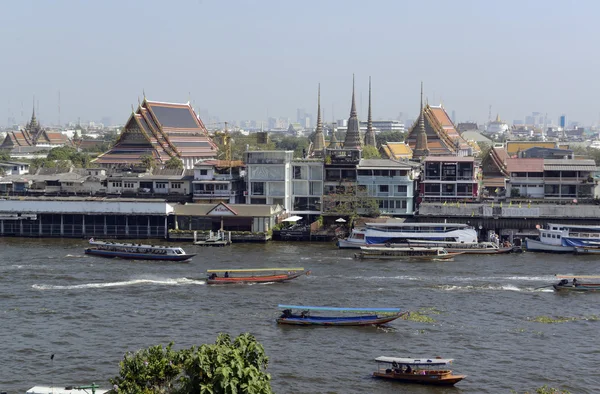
253 61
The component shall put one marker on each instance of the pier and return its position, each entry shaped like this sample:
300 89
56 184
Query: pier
219 238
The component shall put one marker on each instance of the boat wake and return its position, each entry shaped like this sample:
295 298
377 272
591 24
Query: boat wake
76 255
161 282
482 288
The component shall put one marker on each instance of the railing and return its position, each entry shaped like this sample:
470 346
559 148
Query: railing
215 193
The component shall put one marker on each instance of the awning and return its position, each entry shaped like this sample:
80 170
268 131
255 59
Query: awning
292 219
341 220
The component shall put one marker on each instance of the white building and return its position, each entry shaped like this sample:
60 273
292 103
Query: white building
390 182
307 186
268 178
218 181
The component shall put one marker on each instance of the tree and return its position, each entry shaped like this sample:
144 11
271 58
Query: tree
370 152
174 163
148 161
4 156
223 368
388 136
352 202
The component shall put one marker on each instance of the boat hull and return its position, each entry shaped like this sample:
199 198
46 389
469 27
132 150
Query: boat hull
370 320
584 250
579 288
345 244
253 279
137 256
480 251
429 378
370 256
536 246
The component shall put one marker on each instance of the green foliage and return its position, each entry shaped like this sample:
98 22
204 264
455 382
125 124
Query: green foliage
61 157
148 161
370 152
4 156
297 144
239 143
546 390
389 136
485 149
174 163
226 367
348 202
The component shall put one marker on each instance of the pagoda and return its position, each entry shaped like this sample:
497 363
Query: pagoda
31 136
352 140
318 147
370 135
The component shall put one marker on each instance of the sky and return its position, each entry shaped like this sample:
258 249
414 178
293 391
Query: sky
250 59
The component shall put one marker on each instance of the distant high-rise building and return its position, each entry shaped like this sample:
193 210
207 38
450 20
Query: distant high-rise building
562 121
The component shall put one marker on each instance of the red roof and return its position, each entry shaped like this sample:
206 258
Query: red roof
525 165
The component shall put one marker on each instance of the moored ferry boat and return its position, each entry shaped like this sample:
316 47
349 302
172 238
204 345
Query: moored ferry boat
565 238
400 233
466 248
136 251
417 370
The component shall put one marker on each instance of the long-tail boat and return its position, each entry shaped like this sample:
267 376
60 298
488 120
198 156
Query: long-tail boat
576 284
417 370
364 317
253 275
404 253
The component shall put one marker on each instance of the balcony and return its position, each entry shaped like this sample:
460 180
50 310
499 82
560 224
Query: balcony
216 193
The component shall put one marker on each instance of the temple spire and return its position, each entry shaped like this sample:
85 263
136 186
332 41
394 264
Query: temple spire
370 136
319 139
352 140
333 141
421 149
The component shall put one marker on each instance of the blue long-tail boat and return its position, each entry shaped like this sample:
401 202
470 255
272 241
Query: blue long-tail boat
365 317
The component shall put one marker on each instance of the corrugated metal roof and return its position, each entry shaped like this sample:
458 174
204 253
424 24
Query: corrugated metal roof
525 165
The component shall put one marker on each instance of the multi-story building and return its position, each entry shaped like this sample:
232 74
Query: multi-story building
449 178
218 181
340 177
268 175
307 187
13 168
391 183
552 179
165 182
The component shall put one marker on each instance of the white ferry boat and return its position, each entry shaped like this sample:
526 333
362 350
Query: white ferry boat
565 238
137 251
401 233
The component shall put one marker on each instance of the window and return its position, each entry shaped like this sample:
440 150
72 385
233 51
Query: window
384 188
117 184
203 172
258 201
316 173
316 188
299 173
278 201
161 185
176 185
258 188
401 189
128 185
221 186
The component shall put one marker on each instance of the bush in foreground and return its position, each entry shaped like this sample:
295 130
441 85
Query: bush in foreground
225 367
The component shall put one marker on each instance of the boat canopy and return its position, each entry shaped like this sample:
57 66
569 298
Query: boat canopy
401 248
578 276
415 361
330 308
256 270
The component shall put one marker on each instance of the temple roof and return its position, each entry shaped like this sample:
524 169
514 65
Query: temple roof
397 150
162 130
442 136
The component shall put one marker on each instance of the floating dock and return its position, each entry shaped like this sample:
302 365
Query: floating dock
220 238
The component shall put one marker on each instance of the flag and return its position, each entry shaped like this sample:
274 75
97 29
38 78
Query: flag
529 204
519 205
472 213
510 204
444 203
492 204
500 204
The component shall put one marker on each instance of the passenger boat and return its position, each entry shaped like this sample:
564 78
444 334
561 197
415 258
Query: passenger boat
587 249
355 240
253 275
396 253
365 317
576 284
466 248
417 370
399 233
137 251
565 238
93 389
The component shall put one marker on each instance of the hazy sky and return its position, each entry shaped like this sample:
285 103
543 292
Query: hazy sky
246 59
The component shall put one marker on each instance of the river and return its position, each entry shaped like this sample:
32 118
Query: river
89 311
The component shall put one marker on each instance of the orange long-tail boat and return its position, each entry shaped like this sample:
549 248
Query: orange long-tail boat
253 275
